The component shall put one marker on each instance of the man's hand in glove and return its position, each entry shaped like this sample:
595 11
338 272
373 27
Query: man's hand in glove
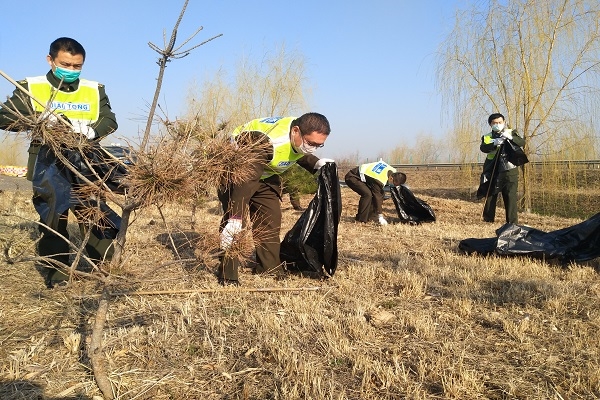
507 134
498 141
382 220
233 227
53 119
319 164
84 130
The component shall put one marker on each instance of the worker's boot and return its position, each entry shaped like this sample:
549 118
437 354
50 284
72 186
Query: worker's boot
296 205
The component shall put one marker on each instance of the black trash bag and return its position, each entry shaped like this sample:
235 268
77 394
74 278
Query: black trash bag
515 154
97 161
311 244
53 187
488 181
488 184
410 209
479 246
578 243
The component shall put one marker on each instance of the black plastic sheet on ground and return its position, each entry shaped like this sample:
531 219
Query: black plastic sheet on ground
410 208
578 243
311 244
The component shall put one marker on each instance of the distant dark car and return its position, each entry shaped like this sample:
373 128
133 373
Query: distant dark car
124 154
386 192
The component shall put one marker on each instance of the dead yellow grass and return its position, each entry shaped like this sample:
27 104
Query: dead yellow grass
406 316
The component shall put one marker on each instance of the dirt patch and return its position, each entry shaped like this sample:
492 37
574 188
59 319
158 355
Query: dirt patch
14 183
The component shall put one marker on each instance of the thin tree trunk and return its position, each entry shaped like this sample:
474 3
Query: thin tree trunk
95 352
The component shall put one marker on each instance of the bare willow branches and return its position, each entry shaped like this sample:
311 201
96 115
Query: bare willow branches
536 62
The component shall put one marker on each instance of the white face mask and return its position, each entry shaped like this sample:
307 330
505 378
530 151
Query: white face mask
304 147
497 127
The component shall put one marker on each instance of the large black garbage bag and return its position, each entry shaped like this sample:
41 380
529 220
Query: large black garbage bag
488 180
311 244
53 186
410 208
580 242
515 154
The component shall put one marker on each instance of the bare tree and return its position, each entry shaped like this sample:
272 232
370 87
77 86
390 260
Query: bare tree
537 62
428 149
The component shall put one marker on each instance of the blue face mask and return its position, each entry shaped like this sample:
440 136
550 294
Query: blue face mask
67 75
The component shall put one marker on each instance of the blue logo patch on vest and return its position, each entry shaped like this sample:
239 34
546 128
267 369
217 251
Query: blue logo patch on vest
270 120
379 167
64 106
284 163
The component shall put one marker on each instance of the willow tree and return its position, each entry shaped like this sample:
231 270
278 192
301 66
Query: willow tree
535 61
274 86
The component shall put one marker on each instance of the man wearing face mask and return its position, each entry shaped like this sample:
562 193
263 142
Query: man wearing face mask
289 140
81 102
493 144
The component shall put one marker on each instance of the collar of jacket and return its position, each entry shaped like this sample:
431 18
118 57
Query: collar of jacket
65 87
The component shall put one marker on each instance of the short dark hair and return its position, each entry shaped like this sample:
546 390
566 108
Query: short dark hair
398 178
494 116
312 122
68 45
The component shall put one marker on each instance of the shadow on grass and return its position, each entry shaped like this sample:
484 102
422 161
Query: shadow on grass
28 390
183 245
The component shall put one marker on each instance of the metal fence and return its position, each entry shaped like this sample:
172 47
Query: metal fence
588 164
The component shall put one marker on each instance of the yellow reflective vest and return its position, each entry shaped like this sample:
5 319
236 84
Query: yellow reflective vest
277 129
376 170
81 106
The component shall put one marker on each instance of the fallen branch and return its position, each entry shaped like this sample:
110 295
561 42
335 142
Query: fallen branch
198 291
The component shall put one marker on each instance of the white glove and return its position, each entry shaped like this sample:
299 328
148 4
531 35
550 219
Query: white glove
382 220
498 141
507 133
233 227
319 164
84 130
52 118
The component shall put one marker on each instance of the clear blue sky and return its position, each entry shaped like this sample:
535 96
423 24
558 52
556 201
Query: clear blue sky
371 64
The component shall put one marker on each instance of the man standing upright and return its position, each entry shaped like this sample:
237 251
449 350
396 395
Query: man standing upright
497 164
81 102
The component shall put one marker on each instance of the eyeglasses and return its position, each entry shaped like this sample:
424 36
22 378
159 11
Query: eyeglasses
309 143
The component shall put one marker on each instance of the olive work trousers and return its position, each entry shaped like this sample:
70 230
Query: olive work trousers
265 216
366 203
508 181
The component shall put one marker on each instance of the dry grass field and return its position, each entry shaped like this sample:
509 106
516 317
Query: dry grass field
406 316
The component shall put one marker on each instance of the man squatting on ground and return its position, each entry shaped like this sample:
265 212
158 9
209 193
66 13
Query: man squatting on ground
291 140
508 173
66 58
368 181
